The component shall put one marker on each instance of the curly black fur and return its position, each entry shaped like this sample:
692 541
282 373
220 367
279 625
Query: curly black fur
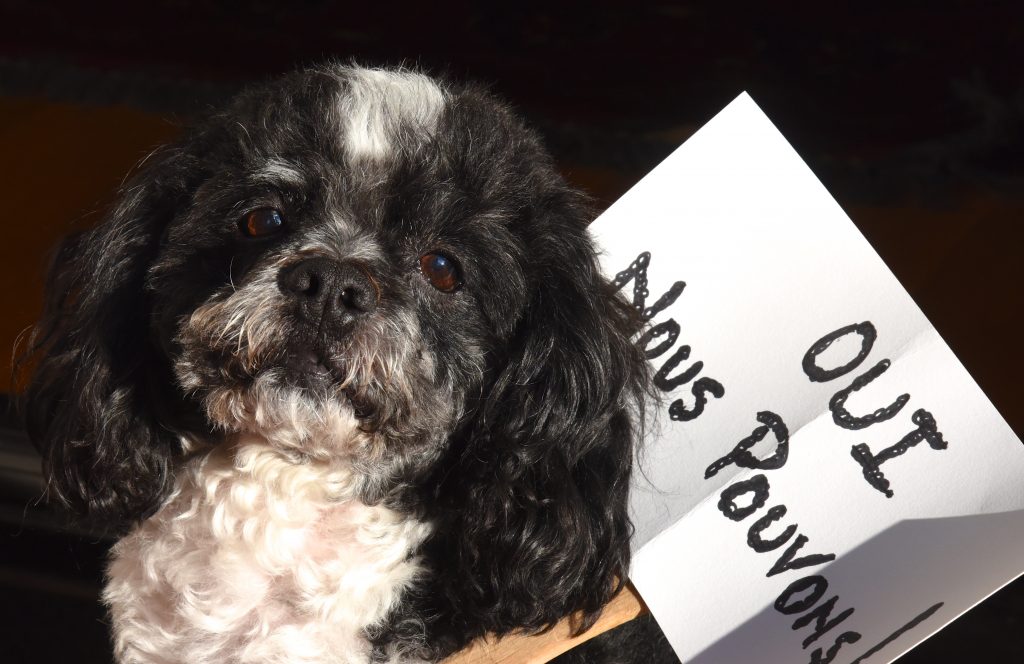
532 497
97 406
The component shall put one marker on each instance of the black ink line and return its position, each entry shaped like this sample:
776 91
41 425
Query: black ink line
898 633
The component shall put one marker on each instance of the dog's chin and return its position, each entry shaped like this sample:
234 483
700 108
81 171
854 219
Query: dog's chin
301 406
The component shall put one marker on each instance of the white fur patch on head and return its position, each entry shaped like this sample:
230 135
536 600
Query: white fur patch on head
377 105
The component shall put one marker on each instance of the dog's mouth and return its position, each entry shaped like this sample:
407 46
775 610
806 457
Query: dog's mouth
307 369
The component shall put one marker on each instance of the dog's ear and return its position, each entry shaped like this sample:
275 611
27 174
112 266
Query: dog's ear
87 408
543 529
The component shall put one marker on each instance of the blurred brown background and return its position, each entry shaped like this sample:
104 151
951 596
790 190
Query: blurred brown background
912 116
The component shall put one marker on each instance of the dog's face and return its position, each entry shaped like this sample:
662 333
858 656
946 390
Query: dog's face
351 263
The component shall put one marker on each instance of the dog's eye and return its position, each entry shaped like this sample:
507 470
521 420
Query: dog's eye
441 271
262 222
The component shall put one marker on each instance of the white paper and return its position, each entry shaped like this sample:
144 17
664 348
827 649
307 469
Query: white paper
771 264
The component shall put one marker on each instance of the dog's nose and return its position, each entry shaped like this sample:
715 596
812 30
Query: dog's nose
330 291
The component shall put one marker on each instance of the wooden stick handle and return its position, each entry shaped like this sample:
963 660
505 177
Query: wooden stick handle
540 648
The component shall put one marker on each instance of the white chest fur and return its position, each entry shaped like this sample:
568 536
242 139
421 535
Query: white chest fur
257 559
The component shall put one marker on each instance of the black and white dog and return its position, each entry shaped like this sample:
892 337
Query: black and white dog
342 367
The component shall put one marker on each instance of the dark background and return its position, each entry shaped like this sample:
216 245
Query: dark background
912 116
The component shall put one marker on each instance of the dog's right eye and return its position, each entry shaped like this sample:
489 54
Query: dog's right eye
262 222
441 271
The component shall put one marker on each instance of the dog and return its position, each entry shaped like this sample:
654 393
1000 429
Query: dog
341 369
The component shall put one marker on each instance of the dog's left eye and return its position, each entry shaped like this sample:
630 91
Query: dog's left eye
441 271
262 222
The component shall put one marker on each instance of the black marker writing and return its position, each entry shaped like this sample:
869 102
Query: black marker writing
804 595
666 384
787 561
917 620
760 545
871 463
807 591
665 334
810 362
843 418
637 273
669 329
820 615
757 485
845 637
741 456
678 411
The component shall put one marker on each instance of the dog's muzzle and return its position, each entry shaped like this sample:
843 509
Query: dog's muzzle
329 298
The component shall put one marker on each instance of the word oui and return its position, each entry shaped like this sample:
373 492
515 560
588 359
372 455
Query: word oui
925 430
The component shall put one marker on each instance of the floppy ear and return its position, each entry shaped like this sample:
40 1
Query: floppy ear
88 409
539 500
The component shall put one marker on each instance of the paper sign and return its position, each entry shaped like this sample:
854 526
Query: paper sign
824 482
